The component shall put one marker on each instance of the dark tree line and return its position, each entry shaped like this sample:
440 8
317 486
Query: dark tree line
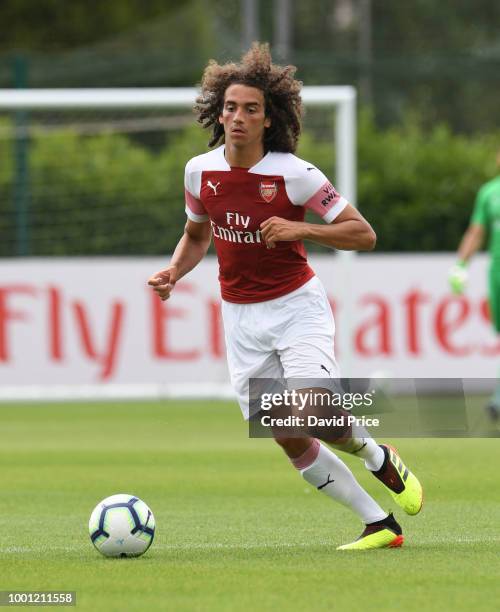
441 59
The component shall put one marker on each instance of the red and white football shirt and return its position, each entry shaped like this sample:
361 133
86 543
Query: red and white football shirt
237 200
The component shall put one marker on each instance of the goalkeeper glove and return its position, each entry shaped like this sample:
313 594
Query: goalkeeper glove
458 277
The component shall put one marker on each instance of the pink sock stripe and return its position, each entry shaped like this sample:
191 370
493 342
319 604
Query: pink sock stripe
308 458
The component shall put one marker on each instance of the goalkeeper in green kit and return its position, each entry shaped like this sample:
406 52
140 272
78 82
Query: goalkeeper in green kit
485 221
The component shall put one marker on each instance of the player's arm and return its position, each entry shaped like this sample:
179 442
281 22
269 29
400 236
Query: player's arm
471 242
348 231
188 253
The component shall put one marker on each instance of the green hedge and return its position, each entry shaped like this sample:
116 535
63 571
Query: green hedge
110 194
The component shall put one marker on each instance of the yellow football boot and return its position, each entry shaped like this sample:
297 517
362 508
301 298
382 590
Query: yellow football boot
386 533
402 484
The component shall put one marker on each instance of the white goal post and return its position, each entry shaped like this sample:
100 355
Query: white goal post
341 98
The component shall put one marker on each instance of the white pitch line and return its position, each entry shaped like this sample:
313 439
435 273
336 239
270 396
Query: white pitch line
194 546
248 546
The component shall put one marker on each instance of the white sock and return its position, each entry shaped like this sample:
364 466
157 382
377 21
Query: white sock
331 476
371 452
364 447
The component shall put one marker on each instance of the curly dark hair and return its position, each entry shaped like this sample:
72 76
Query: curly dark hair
283 104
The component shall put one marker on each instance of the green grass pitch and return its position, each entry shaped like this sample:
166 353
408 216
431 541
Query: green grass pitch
237 528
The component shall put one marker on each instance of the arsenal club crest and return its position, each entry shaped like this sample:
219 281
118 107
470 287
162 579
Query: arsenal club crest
268 190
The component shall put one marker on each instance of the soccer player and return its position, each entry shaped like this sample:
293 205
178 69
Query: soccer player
485 220
250 194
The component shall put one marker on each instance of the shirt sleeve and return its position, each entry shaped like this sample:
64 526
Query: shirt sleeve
310 188
480 212
195 210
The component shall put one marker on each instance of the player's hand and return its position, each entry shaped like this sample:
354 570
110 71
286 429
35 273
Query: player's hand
276 229
163 282
458 277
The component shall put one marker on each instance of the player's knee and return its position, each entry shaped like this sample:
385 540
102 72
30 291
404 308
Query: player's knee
293 447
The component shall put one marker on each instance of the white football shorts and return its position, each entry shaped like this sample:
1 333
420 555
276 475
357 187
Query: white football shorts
289 337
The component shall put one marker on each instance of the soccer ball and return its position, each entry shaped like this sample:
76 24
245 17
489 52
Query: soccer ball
122 526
